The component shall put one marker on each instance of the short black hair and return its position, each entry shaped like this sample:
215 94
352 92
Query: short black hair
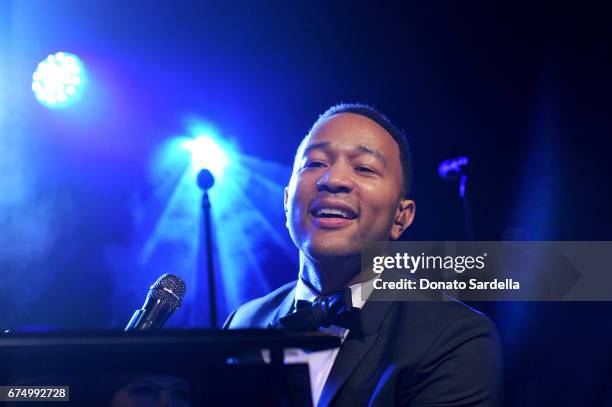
384 122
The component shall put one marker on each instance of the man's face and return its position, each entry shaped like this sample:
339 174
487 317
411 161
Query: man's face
346 189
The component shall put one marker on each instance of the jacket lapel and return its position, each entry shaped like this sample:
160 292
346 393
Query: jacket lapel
354 349
283 309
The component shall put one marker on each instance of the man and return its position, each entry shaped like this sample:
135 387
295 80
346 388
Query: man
350 186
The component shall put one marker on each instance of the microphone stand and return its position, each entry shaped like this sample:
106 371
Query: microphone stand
205 182
451 170
467 214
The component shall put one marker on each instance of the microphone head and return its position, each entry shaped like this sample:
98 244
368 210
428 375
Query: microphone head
169 289
452 169
205 179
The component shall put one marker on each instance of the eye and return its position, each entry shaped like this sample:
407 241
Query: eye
314 164
363 168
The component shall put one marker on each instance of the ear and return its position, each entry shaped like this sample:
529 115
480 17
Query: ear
286 199
285 204
404 215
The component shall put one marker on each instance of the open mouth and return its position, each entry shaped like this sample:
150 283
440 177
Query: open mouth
331 213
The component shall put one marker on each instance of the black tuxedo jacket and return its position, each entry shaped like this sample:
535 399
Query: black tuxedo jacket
407 353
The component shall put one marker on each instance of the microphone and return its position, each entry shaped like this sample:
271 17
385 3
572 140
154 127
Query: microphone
205 179
454 168
163 299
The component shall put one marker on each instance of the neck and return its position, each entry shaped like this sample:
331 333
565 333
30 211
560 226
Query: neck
329 276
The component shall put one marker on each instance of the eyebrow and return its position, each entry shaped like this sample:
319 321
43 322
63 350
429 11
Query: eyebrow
361 149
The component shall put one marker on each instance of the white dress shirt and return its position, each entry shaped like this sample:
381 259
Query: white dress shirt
321 362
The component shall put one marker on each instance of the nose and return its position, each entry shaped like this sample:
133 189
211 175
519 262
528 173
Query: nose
336 179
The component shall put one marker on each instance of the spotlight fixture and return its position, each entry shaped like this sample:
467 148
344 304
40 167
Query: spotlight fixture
58 80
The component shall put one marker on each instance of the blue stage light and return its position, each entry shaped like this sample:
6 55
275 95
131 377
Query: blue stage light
58 80
206 152
247 211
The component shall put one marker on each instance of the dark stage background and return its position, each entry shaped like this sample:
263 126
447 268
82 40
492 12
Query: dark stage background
97 200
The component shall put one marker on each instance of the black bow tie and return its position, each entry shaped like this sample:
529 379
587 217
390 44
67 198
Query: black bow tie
336 309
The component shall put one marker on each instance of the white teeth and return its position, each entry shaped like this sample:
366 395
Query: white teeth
331 211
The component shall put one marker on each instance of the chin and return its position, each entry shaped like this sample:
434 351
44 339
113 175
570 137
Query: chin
331 248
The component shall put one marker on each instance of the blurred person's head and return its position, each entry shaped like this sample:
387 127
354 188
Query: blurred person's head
153 391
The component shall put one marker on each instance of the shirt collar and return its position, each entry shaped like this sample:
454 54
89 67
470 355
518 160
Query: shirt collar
304 292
